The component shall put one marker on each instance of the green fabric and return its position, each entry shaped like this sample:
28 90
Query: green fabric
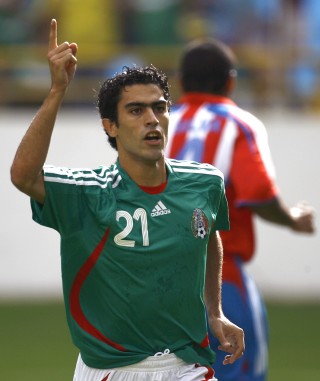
141 288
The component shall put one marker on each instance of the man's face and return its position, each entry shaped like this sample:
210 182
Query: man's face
143 119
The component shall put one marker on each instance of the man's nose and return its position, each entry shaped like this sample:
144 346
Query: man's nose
151 118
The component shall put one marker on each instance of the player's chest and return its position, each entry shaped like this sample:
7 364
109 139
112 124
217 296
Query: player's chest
146 220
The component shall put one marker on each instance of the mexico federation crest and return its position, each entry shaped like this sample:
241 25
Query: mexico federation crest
199 224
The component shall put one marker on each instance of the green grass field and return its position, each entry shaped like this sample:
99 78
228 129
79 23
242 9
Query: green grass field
35 343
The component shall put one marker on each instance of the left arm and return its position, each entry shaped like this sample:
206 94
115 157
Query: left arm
230 336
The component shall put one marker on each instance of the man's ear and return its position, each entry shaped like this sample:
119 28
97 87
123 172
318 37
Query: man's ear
110 127
230 85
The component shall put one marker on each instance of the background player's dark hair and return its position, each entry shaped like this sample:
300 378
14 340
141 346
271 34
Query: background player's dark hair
111 90
206 66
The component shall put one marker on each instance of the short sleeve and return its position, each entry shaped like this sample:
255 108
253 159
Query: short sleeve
62 206
252 173
219 205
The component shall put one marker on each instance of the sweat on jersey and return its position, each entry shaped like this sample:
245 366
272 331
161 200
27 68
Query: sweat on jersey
133 263
213 129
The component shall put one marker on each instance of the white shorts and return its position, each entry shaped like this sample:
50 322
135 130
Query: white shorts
167 367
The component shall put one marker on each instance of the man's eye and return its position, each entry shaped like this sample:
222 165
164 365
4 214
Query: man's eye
160 109
136 111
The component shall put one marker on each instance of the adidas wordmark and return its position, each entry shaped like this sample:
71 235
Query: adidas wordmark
160 209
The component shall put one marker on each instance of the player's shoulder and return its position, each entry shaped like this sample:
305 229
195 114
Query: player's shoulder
246 118
194 171
101 177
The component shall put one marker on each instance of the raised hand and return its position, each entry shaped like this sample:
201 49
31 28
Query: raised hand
62 60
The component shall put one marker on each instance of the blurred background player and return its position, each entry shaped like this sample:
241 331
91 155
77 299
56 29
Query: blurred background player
207 126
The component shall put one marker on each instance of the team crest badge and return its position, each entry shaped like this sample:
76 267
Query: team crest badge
199 224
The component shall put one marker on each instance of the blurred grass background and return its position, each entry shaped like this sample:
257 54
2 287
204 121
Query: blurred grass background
35 342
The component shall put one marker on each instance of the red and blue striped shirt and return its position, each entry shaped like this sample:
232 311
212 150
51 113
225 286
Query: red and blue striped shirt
213 129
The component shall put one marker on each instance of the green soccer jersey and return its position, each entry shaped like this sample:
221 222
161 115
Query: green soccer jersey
133 263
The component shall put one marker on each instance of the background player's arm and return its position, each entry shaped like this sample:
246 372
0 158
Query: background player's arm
230 336
299 218
257 164
26 170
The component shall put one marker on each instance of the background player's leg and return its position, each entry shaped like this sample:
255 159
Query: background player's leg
243 306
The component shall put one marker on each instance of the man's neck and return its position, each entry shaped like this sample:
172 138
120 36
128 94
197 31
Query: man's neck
149 174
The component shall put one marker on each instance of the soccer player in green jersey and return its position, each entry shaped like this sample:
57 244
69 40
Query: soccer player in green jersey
140 249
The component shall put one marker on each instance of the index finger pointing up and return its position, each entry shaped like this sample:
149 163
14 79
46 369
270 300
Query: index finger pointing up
53 41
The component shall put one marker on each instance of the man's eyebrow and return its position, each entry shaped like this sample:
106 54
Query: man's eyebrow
143 104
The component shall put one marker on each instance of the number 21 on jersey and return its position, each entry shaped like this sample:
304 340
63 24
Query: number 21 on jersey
139 215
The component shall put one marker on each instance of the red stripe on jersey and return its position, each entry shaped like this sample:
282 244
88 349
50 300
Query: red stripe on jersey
180 136
105 378
205 342
75 306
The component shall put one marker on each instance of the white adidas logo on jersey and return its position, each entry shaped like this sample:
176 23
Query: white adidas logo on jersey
160 209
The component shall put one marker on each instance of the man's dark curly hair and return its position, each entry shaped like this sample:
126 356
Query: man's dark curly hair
111 90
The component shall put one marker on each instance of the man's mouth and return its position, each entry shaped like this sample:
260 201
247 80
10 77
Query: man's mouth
153 136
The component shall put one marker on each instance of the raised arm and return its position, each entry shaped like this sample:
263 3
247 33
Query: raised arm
26 169
230 336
